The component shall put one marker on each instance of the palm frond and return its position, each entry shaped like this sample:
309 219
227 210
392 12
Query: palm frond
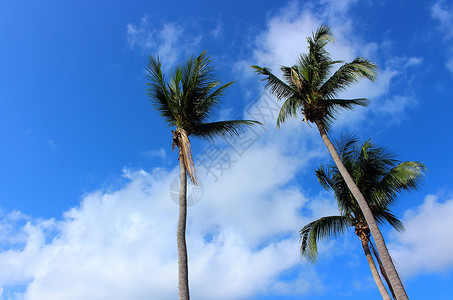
275 85
406 176
318 63
333 105
383 215
158 92
227 129
346 103
345 146
324 175
288 109
198 83
322 228
209 104
348 74
323 35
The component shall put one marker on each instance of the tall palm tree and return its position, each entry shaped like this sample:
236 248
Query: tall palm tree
380 177
186 102
310 88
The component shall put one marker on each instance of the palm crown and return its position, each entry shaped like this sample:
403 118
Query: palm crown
307 88
188 101
380 177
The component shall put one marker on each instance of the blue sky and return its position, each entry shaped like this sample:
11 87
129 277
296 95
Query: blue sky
86 163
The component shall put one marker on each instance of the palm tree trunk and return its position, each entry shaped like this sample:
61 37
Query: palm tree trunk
183 277
389 267
381 268
374 271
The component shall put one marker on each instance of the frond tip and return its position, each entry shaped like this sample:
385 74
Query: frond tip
323 228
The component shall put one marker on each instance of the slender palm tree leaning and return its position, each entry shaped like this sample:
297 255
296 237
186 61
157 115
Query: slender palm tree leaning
309 88
380 177
187 101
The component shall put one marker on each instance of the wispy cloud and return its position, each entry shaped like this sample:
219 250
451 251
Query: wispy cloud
169 41
155 153
443 12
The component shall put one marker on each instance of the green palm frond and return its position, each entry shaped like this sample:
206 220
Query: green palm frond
288 109
406 176
198 83
211 103
158 92
322 36
332 106
322 228
345 146
276 86
227 129
347 75
384 215
318 62
324 175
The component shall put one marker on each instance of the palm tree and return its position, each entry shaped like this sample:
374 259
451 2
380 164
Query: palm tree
380 177
308 88
186 102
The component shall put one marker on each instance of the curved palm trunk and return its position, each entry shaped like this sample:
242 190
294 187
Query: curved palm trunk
374 271
389 267
183 277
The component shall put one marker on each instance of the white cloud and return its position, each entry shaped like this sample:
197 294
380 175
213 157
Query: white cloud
159 153
217 31
443 13
449 65
120 244
51 144
426 244
169 41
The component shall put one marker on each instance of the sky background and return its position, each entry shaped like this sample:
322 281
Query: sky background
86 167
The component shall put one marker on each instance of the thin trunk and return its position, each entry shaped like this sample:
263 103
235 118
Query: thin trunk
389 267
374 271
183 278
381 268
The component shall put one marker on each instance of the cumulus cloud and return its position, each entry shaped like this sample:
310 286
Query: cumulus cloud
426 244
121 243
